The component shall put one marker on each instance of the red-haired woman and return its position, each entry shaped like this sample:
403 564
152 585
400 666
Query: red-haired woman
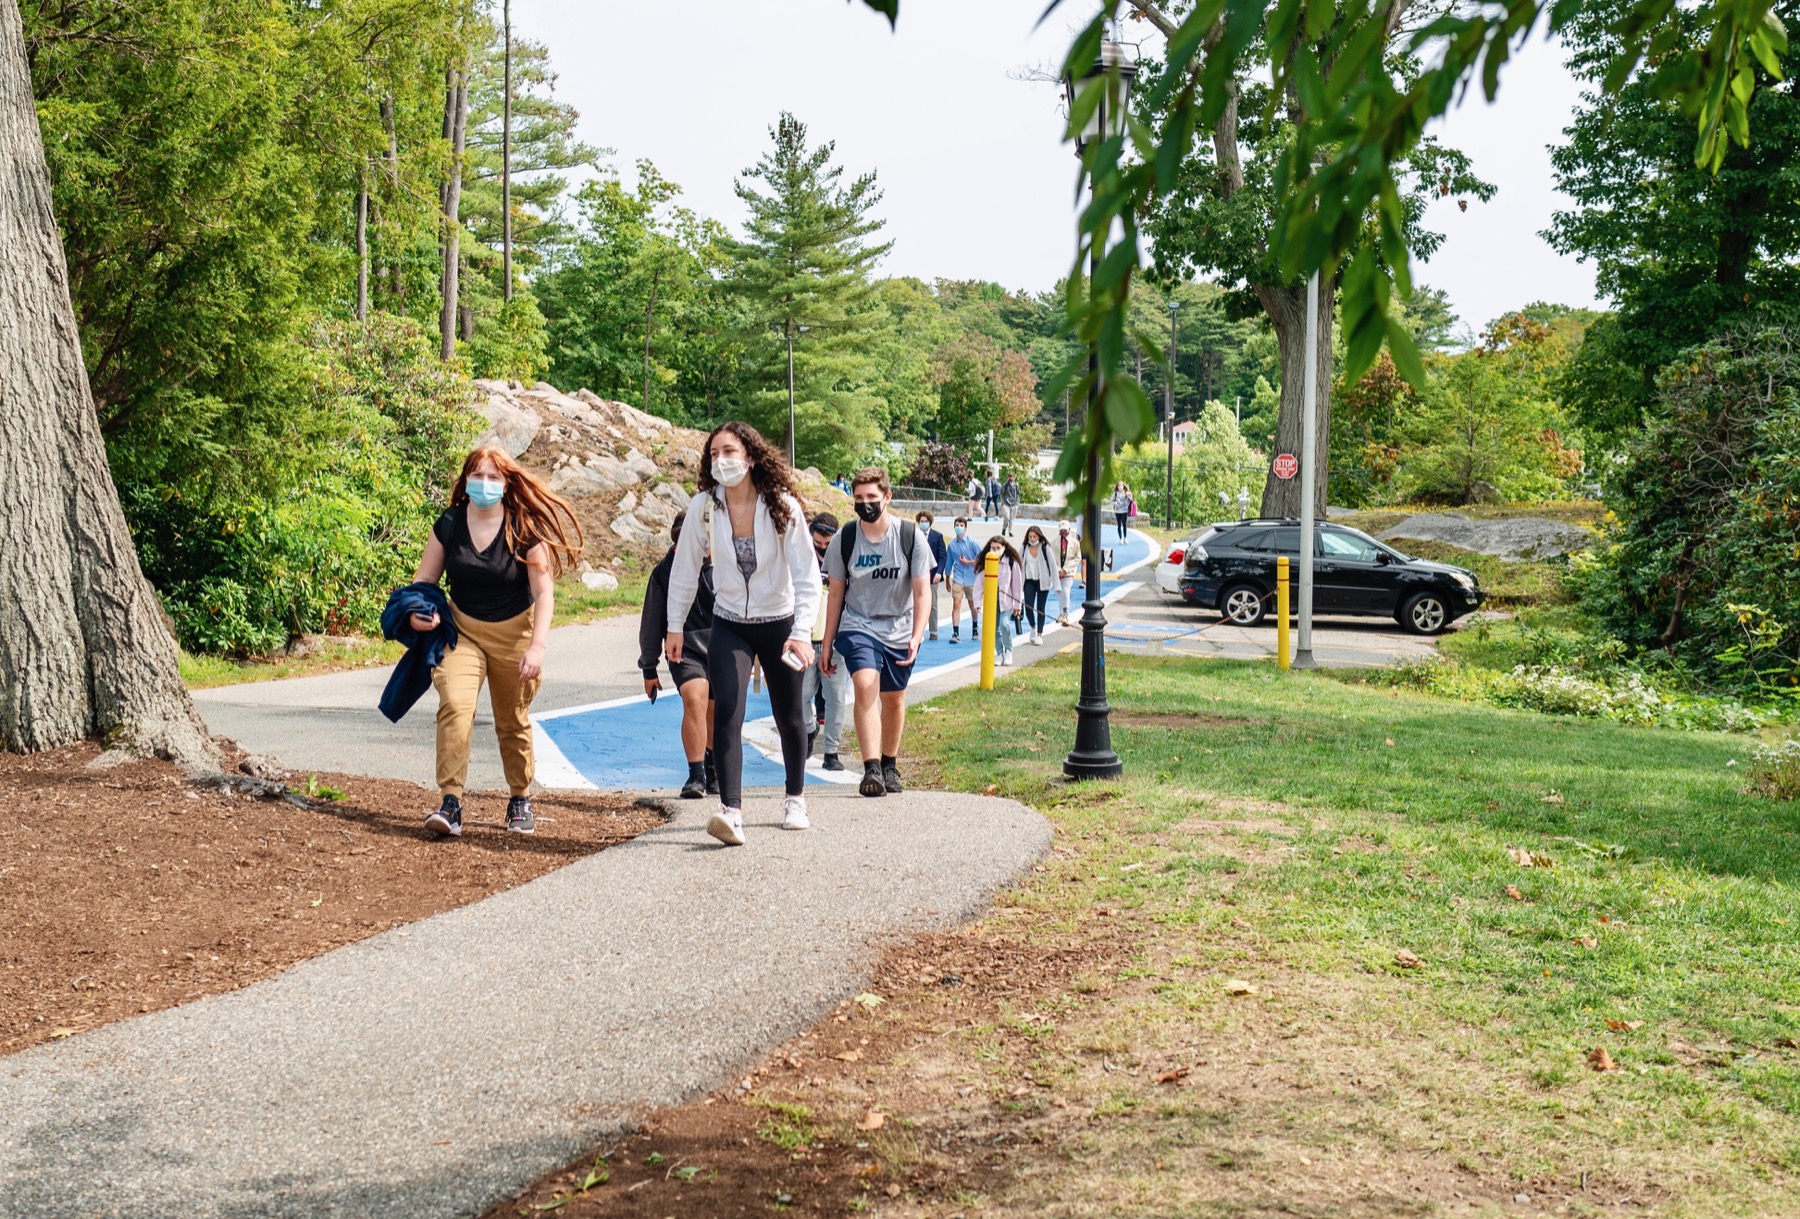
765 598
503 541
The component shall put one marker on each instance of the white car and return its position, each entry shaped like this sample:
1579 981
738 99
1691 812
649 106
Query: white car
1169 570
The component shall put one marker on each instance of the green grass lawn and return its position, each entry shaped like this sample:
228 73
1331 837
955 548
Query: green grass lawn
1300 832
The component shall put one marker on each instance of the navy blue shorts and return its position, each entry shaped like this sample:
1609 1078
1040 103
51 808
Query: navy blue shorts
862 651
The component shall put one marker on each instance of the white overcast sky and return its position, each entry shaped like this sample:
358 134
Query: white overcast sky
976 184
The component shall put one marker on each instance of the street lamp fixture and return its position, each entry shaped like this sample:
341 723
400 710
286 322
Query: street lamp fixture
1093 757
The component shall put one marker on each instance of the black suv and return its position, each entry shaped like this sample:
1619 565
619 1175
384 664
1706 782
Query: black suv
1230 567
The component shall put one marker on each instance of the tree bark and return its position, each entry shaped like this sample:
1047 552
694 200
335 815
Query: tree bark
456 122
506 275
396 281
362 246
84 651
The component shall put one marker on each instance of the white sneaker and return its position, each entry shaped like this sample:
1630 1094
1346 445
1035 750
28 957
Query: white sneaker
793 809
727 825
1036 639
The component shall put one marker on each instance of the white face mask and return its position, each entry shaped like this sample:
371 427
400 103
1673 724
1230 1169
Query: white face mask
730 471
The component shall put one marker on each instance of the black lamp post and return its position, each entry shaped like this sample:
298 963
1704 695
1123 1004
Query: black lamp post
788 329
1093 756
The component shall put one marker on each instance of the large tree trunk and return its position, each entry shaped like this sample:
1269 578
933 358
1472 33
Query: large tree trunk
456 122
1286 308
84 651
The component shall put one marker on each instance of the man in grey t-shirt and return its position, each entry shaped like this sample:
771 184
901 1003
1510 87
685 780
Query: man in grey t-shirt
875 618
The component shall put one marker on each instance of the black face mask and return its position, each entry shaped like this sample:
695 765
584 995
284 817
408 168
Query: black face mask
871 512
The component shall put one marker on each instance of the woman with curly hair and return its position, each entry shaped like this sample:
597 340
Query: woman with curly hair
765 598
503 541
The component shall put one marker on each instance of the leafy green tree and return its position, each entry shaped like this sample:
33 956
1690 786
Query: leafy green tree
1208 471
1684 251
805 261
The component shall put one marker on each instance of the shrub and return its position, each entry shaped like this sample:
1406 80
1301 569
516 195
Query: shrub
1775 769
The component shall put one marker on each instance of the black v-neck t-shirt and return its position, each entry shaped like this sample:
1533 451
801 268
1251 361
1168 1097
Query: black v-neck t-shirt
490 585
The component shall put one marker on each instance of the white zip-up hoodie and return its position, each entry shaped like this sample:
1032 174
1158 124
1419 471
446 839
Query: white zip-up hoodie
786 579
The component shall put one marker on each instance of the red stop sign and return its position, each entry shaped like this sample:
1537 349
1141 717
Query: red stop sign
1286 465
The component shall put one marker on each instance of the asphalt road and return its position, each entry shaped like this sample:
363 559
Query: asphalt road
436 1069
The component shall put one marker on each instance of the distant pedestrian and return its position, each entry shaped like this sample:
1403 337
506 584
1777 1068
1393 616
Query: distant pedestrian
832 688
940 563
1011 596
689 676
1068 569
1009 505
1039 568
974 492
842 483
880 571
964 553
993 496
1121 503
764 612
502 542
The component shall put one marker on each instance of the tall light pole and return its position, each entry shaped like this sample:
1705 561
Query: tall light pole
787 329
1309 460
1093 756
506 160
1169 414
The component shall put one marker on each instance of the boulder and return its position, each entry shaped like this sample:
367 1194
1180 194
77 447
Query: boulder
628 527
1522 537
642 465
599 473
509 427
656 510
600 581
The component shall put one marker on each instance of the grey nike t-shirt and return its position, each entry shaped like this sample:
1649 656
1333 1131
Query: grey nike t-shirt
878 590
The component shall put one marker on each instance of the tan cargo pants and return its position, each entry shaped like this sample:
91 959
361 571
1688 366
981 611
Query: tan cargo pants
485 651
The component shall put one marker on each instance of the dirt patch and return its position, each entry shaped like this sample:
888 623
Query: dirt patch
1184 720
126 890
1000 1077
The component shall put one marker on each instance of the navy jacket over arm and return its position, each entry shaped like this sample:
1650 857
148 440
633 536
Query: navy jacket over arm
412 676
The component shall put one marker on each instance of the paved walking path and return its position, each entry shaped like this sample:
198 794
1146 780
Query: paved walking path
439 1068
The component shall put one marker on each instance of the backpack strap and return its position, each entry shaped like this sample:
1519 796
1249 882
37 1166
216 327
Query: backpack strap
846 545
909 536
909 533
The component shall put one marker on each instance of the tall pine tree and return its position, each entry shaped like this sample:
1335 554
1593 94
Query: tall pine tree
806 262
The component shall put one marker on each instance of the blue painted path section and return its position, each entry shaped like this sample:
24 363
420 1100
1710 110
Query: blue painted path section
630 744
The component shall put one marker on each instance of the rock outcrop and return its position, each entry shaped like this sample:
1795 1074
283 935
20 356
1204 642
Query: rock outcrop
1519 537
628 474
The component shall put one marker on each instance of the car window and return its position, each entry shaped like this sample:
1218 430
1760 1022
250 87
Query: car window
1345 546
1287 541
1255 540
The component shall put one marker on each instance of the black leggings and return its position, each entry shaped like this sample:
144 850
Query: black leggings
1036 597
728 655
1123 518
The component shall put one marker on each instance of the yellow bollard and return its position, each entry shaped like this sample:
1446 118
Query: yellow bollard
1281 613
990 606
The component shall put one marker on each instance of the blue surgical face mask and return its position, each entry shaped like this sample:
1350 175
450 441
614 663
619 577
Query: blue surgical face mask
485 492
961 529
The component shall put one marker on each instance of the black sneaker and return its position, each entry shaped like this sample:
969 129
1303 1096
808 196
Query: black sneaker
872 784
832 762
712 782
694 788
518 816
447 821
890 776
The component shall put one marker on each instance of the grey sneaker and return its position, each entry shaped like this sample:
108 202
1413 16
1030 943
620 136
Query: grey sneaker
518 816
447 821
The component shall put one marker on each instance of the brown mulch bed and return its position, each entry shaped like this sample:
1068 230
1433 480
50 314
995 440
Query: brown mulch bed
127 890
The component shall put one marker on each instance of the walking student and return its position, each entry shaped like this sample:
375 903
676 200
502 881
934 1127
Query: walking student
689 676
1011 597
502 543
1121 503
880 571
964 554
993 495
765 597
974 493
1040 576
832 687
1068 569
940 560
1009 505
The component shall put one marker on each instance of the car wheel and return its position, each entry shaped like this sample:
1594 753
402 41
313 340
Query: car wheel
1425 614
1243 605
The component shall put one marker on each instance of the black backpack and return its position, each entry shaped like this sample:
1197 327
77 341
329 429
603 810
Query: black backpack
909 533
